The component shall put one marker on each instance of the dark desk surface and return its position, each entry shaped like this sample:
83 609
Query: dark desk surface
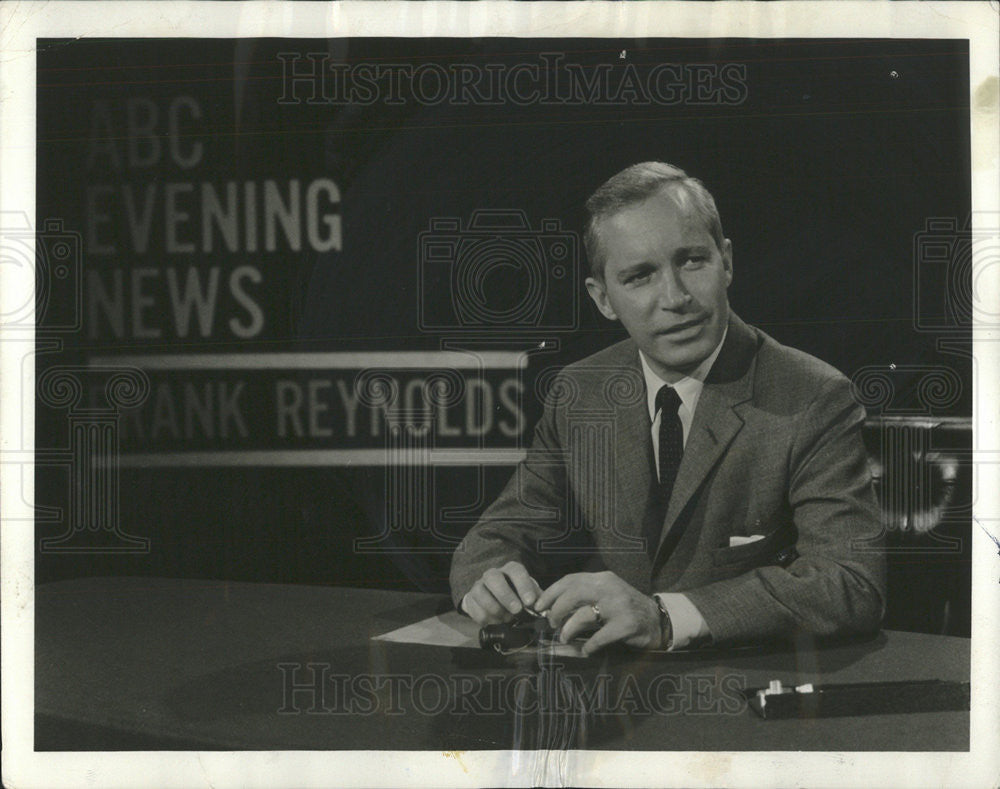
141 663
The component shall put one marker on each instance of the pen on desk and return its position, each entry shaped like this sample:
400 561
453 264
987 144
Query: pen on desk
859 698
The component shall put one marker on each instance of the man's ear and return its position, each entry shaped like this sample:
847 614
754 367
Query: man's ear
727 260
599 293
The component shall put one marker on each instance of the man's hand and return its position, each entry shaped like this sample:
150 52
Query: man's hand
627 614
500 594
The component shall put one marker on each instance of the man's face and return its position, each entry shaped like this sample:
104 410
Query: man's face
665 280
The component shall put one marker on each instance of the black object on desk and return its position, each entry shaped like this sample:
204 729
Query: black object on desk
858 698
527 629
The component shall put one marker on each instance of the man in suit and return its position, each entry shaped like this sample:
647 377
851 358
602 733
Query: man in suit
718 477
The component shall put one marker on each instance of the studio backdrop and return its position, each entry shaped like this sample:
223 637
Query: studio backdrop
299 300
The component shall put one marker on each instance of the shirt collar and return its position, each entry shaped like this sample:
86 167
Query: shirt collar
688 388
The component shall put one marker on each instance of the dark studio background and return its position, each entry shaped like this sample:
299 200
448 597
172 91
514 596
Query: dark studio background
825 174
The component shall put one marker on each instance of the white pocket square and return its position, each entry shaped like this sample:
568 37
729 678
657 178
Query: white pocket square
736 540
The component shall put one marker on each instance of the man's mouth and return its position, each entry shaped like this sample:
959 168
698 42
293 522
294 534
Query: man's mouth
680 327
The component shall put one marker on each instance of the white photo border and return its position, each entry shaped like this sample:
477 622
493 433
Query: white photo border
22 23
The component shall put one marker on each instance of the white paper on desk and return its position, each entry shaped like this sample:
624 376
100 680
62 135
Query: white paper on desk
454 630
447 630
737 540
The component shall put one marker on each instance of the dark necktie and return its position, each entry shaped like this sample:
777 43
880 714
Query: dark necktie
671 447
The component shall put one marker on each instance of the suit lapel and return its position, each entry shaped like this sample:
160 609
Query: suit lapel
634 460
716 422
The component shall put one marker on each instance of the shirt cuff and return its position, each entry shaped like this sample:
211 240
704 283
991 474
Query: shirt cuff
688 625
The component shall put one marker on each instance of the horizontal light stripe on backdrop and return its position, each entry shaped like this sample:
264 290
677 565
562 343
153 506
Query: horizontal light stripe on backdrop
352 360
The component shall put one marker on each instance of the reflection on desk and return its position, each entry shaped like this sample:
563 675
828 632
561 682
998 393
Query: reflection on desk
142 663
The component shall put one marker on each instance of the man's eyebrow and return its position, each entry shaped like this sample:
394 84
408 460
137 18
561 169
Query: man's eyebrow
635 268
693 248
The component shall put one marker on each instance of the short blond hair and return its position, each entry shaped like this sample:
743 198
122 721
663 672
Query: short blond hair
637 183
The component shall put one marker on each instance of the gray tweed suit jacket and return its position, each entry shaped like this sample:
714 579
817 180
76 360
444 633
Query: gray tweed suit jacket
775 449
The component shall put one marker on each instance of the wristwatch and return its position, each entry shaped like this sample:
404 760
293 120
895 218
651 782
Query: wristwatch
666 629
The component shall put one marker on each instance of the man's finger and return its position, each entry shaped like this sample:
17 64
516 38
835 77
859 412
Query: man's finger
611 633
488 603
581 621
498 585
573 597
549 596
527 588
474 610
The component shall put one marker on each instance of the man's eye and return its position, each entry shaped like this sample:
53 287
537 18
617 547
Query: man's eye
637 279
695 261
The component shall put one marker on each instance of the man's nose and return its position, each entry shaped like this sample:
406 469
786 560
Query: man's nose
673 295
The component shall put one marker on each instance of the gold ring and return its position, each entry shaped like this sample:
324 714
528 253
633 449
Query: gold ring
597 614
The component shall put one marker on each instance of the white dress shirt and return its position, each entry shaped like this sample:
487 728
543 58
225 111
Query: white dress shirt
686 621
